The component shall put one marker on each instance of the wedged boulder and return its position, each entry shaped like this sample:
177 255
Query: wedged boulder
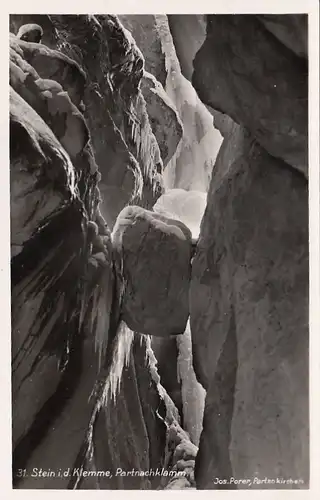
155 297
164 119
244 71
249 319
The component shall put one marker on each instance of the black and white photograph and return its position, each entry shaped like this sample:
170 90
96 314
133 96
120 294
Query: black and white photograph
159 239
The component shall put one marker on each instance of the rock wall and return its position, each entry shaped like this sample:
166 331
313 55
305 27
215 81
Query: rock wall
191 165
264 86
90 133
249 289
85 390
126 149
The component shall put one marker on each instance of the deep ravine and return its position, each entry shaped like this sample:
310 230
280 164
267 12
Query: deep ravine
159 251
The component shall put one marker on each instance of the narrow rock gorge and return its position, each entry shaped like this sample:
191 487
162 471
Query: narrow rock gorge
159 251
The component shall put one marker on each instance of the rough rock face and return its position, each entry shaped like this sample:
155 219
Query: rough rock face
81 148
139 415
166 352
155 298
249 320
192 393
259 82
191 166
187 46
249 288
52 245
250 269
49 225
130 157
47 96
175 355
126 149
292 31
164 119
74 369
145 30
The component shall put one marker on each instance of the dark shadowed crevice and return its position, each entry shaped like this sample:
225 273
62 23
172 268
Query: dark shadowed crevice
215 439
45 418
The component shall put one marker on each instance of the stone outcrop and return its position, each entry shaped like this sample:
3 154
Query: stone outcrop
164 119
146 30
192 393
166 352
259 82
75 366
124 426
292 31
126 149
154 297
249 319
191 165
47 96
250 268
57 238
249 287
187 46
